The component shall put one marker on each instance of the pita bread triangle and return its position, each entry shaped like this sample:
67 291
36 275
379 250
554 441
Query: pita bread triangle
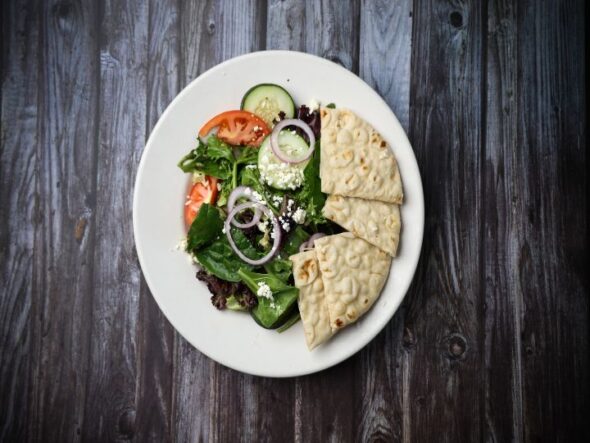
312 300
353 272
377 222
356 160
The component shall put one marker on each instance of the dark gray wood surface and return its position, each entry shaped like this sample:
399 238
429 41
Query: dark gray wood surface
491 343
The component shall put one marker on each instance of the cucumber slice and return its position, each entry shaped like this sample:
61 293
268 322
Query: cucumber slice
267 100
276 173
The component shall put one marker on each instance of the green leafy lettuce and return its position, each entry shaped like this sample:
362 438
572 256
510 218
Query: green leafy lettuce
219 258
310 196
206 227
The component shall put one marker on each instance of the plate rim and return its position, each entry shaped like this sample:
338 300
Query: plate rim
139 249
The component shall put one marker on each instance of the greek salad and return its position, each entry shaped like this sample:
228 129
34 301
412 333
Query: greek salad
254 200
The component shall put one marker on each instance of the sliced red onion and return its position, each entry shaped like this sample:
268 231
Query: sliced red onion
313 238
309 244
276 230
303 246
205 138
239 192
274 140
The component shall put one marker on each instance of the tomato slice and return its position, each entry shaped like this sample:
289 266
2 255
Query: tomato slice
237 128
201 192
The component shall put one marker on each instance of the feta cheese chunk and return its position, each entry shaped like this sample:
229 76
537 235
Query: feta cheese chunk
264 291
299 216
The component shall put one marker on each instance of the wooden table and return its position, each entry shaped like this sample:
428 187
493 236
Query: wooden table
491 342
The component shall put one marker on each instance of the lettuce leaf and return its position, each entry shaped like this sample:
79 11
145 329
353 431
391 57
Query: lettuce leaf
206 227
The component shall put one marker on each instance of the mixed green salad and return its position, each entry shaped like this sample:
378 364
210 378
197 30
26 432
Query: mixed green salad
255 199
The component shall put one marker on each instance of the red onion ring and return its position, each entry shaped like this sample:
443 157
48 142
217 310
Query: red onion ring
276 228
309 244
274 140
239 192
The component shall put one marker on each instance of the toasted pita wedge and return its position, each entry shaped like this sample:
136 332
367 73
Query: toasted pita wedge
356 161
354 272
377 222
311 301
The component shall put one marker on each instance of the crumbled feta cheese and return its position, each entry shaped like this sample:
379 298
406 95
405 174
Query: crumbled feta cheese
290 204
223 230
263 226
273 234
288 177
277 200
285 225
251 166
218 186
264 291
299 216
181 245
313 104
257 196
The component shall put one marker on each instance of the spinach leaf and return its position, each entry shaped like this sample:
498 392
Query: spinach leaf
295 317
253 279
310 196
280 268
205 228
296 238
271 313
220 260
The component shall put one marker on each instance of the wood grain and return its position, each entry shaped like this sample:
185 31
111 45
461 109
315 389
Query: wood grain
18 169
385 37
503 231
112 375
491 341
155 335
64 251
552 258
445 308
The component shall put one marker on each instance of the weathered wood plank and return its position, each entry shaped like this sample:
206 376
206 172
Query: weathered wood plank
385 49
64 246
285 25
332 31
503 231
445 307
110 406
18 216
549 168
155 352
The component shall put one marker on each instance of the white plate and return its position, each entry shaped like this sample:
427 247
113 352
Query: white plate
233 339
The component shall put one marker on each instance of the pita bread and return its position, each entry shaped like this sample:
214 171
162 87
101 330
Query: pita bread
356 161
377 222
311 301
354 272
